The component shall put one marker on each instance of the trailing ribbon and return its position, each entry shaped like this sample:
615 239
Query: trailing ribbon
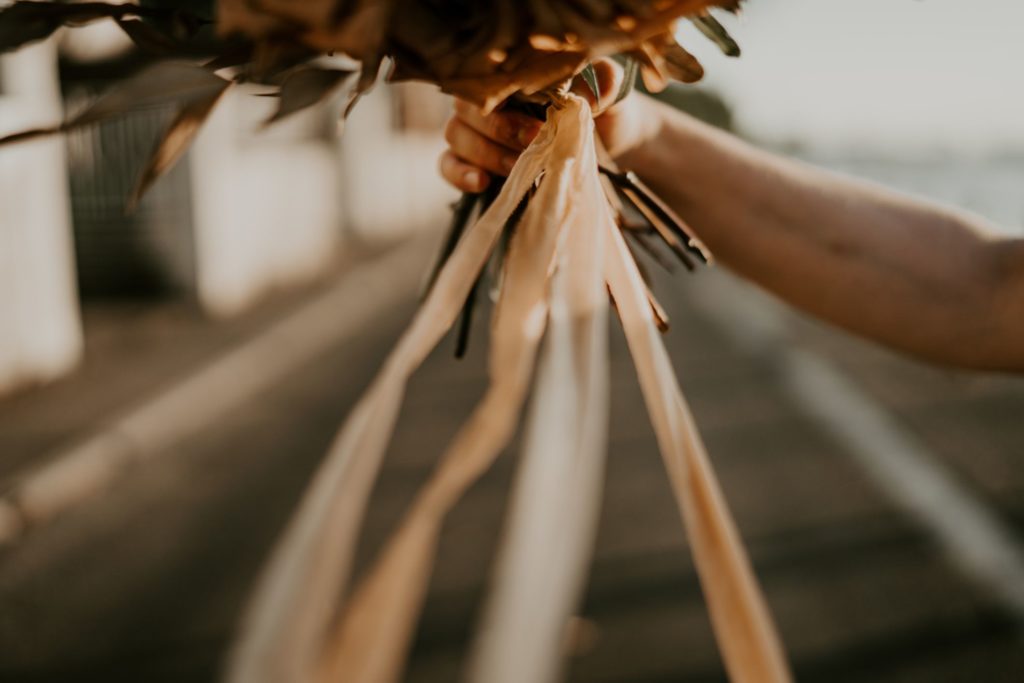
566 253
373 637
294 603
746 635
555 507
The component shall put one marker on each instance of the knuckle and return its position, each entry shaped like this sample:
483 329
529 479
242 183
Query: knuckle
451 131
501 128
484 155
482 150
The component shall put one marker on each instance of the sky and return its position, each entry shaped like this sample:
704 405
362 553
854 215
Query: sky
898 76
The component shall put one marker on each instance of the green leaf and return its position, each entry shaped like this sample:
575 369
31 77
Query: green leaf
632 68
590 78
717 34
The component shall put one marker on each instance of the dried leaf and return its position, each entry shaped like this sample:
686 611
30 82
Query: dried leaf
680 64
746 635
159 85
548 541
26 135
483 52
147 37
672 229
175 141
28 21
372 638
305 87
284 628
234 54
653 74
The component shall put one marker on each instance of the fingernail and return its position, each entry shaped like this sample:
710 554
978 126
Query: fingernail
508 162
473 179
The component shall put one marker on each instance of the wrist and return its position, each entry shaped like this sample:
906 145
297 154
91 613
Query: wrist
645 121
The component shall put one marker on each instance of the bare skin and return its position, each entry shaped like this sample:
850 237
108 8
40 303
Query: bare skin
924 279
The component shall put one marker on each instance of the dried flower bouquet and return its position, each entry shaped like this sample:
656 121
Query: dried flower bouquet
561 227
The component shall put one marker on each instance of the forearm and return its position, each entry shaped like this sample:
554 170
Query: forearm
913 276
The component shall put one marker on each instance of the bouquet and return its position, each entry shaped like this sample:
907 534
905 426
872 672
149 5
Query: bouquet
560 232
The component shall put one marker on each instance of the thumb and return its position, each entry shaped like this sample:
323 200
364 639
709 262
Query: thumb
609 76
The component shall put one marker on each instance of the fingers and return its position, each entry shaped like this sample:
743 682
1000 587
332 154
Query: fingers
509 129
479 150
480 144
610 76
463 176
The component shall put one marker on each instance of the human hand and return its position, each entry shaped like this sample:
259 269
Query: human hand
481 146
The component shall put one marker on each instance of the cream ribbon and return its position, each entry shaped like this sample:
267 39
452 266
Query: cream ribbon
284 629
746 635
564 249
545 556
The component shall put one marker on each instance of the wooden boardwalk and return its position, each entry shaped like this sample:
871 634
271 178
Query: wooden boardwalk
146 583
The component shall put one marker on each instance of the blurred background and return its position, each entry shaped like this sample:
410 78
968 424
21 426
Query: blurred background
169 379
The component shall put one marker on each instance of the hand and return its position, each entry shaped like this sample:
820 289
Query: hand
480 146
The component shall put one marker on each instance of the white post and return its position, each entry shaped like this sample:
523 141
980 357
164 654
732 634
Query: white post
392 188
40 326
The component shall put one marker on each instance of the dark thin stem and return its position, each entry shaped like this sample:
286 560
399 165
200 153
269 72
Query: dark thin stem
664 230
466 320
644 242
462 213
657 311
650 205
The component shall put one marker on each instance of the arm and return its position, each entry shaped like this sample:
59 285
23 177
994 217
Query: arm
917 277
920 278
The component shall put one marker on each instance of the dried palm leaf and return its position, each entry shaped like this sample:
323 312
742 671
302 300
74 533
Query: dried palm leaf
290 616
555 508
374 633
26 22
750 645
